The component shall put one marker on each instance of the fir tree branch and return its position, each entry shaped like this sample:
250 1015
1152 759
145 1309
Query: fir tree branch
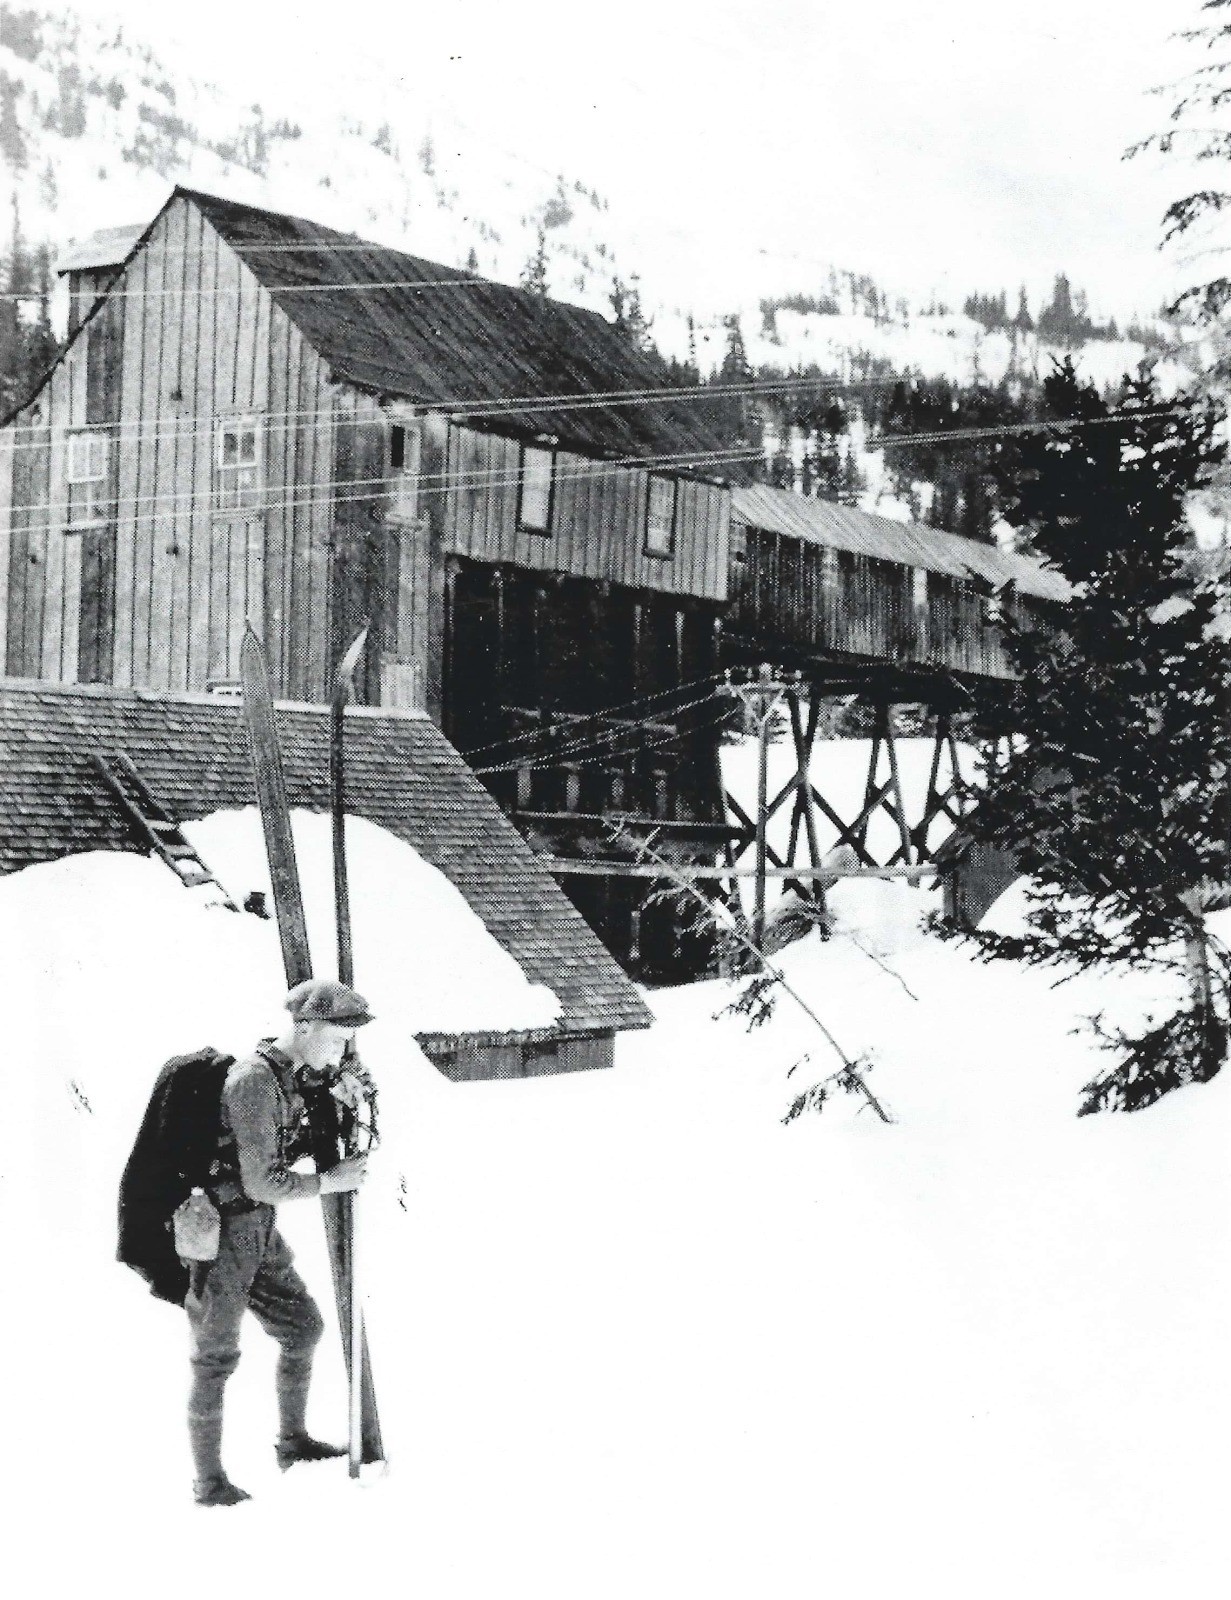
848 1074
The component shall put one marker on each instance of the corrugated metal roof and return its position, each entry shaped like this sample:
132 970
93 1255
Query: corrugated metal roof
845 528
459 338
106 248
401 773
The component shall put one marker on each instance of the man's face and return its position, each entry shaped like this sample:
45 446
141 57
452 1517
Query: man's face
322 1044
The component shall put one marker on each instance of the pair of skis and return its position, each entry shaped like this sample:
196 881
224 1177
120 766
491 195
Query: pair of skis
364 1441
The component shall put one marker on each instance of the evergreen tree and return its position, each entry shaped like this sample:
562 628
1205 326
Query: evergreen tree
534 273
630 318
1115 797
1197 135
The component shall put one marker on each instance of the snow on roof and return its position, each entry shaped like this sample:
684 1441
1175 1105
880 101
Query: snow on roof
106 247
403 776
127 947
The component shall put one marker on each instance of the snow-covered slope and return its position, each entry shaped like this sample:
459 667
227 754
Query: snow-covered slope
632 1335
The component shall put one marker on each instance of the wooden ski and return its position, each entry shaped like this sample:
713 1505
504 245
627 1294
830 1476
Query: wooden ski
343 685
275 810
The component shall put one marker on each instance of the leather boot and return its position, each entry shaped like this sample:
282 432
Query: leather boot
211 1486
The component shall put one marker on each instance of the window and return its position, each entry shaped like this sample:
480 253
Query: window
89 475
237 462
535 484
919 587
404 456
660 517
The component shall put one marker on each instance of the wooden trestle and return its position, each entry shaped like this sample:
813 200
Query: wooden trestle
851 853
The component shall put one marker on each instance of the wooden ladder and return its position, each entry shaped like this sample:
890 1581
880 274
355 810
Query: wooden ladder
154 823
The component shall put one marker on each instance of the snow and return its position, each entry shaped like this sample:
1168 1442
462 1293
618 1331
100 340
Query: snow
631 1334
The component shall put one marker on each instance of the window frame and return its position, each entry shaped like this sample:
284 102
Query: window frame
405 479
229 493
648 548
544 532
94 489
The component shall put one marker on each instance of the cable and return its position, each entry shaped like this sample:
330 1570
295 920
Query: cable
610 751
546 735
575 400
205 506
943 436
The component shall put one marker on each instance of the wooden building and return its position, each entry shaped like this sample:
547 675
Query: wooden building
838 589
259 419
256 418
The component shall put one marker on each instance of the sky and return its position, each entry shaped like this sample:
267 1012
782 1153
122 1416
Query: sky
955 144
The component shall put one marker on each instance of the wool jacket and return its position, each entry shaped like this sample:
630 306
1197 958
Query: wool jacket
174 1152
263 1131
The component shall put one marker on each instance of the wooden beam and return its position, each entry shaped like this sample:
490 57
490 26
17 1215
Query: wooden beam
683 827
560 867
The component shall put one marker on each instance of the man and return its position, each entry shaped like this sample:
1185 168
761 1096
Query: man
263 1134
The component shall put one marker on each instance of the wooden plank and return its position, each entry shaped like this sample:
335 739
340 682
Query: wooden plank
279 475
563 867
621 489
181 360
562 550
508 458
200 413
18 586
128 447
251 557
33 517
487 467
297 577
589 524
149 286
217 670
52 513
8 436
168 314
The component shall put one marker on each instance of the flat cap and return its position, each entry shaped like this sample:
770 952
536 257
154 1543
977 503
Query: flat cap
322 1000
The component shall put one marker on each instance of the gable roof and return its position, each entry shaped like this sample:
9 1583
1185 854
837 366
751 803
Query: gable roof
398 324
402 774
839 527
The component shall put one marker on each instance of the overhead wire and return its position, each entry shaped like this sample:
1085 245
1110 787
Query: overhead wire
611 746
458 406
639 702
205 503
1063 425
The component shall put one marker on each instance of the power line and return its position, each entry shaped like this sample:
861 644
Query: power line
458 406
639 702
944 435
612 751
205 505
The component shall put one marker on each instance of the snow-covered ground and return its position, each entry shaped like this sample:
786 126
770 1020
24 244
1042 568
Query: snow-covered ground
632 1335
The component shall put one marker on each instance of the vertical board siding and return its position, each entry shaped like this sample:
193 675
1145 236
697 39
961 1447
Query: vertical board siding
59 410
154 597
31 462
823 598
598 520
104 408
196 529
7 439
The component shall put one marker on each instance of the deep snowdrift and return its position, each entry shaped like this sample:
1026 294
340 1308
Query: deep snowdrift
631 1335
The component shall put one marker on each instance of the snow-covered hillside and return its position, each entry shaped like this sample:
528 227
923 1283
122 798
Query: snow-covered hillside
95 126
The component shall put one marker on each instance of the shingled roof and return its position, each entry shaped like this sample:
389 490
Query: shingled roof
400 325
402 774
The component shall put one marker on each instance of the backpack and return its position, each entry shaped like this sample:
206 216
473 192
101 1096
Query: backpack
172 1155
